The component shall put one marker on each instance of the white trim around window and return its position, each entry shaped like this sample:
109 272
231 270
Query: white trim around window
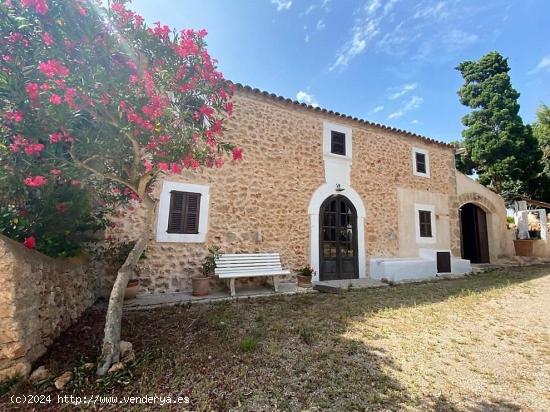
416 150
164 211
327 129
428 208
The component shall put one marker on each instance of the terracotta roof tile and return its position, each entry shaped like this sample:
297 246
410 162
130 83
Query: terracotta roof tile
344 116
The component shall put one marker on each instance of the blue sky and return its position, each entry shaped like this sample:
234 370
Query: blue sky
390 62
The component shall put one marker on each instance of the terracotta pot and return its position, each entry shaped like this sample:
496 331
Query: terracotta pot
131 290
303 280
523 247
201 286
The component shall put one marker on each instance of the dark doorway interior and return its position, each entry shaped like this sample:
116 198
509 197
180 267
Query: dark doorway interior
475 245
338 239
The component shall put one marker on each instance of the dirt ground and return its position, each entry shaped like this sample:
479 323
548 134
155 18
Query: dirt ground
479 343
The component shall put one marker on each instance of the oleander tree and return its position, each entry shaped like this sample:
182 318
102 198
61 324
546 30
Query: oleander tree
92 93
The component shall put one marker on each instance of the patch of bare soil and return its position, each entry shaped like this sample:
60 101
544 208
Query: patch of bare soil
480 343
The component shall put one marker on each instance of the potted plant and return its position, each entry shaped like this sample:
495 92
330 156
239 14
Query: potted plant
304 276
201 284
131 289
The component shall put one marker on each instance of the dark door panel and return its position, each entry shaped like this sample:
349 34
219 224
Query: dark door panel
338 239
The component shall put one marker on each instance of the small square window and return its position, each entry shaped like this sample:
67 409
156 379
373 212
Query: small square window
425 222
338 143
420 162
184 211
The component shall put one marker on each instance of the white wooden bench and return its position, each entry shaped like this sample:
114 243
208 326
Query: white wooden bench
243 265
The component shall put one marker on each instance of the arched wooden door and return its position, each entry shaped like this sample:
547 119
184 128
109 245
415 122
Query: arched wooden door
338 239
474 238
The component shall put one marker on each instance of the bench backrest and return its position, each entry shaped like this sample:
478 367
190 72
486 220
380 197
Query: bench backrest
239 264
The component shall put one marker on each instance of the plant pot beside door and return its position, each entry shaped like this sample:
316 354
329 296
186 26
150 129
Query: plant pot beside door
303 276
523 247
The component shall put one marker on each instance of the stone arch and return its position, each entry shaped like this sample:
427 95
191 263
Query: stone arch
319 196
477 199
491 212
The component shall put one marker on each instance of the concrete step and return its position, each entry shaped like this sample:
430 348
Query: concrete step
336 286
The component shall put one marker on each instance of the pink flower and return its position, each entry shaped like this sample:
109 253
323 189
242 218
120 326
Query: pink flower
70 94
55 172
14 116
175 168
55 99
40 6
56 137
52 68
29 242
163 166
32 90
75 182
237 153
47 39
147 165
34 149
35 181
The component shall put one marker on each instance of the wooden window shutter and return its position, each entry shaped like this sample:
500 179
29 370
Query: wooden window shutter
425 220
191 221
184 212
420 162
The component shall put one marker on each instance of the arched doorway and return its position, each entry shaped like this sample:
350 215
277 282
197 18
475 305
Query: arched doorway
474 239
338 239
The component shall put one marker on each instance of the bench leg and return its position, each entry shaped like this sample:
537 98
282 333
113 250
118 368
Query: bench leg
232 287
276 283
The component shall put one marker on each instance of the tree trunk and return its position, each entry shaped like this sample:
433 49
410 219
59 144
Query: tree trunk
110 352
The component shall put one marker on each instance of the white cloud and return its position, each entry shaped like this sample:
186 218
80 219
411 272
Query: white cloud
415 121
377 109
304 97
457 39
544 64
437 11
372 6
403 90
396 114
282 4
364 30
325 5
361 35
412 104
306 38
321 25
310 9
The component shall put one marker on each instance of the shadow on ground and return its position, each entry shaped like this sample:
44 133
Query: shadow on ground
281 353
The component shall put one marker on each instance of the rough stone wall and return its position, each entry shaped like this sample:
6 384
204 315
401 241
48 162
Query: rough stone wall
268 193
39 298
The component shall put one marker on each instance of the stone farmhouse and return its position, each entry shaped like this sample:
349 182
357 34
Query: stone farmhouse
351 198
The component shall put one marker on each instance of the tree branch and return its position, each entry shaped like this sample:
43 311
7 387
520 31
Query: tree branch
84 165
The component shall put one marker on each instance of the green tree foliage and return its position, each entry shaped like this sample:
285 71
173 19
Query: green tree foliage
502 150
541 131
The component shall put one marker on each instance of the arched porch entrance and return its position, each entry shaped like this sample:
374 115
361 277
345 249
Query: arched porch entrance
474 238
338 252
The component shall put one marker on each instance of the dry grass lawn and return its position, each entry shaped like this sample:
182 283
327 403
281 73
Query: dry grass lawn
480 343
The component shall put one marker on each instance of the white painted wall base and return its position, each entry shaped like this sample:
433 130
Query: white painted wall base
420 268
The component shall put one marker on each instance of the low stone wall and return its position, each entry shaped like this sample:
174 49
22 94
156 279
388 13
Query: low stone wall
39 298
